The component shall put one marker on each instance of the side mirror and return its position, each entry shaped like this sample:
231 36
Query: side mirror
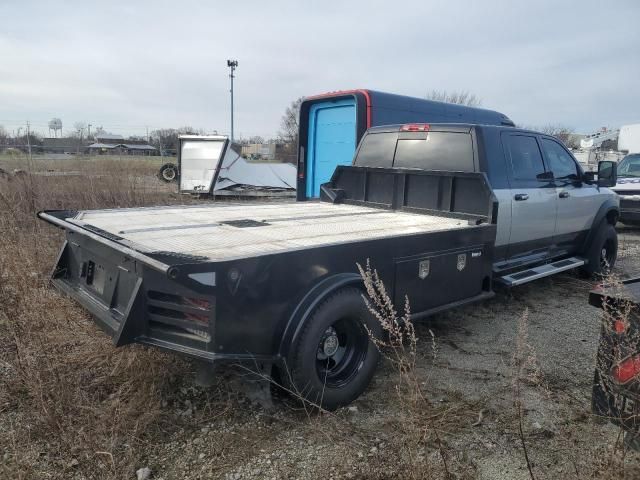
589 177
607 173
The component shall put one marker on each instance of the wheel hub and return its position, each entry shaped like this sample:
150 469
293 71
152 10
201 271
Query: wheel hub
330 342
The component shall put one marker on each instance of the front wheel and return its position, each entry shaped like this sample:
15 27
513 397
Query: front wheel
334 358
603 252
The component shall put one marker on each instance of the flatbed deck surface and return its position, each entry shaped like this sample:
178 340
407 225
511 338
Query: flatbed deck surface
231 231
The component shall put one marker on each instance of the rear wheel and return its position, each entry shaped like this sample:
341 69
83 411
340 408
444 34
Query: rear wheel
334 358
603 252
168 172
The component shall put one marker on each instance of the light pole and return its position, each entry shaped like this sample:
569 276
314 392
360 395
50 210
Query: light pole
232 64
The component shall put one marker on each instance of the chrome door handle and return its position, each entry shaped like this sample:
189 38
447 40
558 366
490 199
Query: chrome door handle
564 195
519 197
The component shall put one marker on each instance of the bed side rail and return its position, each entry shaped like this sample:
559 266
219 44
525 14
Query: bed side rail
58 218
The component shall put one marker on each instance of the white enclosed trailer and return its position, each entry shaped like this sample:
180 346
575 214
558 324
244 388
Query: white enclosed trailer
629 138
211 164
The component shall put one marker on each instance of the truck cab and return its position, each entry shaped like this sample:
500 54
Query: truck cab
549 208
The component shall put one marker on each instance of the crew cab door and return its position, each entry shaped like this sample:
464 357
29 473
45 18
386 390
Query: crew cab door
577 201
532 195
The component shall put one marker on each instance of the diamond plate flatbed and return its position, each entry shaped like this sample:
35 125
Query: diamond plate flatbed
218 232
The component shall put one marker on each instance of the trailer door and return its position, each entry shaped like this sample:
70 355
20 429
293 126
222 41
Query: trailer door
332 140
198 160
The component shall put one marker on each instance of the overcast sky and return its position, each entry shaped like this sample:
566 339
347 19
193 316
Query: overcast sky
128 65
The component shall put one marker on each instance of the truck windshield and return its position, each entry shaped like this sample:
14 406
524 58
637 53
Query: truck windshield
451 151
630 166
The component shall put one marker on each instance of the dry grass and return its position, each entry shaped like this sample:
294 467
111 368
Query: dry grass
420 448
70 403
109 164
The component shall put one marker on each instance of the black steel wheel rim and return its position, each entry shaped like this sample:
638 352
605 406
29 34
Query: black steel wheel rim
339 367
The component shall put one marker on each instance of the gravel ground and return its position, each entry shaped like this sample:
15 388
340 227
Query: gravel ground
469 373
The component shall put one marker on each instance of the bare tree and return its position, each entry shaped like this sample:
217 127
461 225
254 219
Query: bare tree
79 126
166 139
4 136
256 139
561 132
289 123
459 98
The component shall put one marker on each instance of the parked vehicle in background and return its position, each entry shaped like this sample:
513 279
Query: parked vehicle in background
628 187
616 386
629 138
212 165
441 211
332 124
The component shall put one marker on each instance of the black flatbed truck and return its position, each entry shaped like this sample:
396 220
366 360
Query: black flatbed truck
254 282
277 283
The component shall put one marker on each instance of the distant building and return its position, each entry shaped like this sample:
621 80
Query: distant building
99 148
110 144
63 145
267 151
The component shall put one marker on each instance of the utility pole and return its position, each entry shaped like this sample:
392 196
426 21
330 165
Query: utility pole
80 132
232 64
29 140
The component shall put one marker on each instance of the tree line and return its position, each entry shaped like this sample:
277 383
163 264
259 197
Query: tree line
166 139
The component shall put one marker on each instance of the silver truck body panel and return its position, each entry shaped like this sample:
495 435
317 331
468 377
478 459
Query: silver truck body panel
531 219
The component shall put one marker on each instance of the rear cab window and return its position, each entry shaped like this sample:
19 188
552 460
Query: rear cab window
377 150
526 158
433 150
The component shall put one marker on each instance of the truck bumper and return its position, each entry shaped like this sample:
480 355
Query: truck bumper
137 304
629 210
630 216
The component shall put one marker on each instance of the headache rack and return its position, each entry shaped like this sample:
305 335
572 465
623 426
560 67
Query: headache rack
465 195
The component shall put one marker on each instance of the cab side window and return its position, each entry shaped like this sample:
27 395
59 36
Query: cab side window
560 162
526 159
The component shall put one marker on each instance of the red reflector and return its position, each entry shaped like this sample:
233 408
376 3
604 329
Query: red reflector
197 302
415 127
194 317
619 326
627 369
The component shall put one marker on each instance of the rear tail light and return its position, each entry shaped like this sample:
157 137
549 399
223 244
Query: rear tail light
415 127
627 369
190 314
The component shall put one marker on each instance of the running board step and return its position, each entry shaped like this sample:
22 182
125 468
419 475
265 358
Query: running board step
540 271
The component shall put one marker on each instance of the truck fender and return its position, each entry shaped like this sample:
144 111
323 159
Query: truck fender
608 212
303 310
